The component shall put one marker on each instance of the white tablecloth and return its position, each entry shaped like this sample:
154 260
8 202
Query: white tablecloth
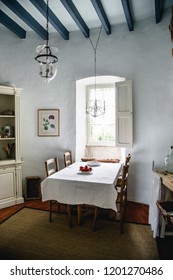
69 186
153 209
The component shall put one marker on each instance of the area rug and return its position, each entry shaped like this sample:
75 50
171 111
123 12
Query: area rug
28 235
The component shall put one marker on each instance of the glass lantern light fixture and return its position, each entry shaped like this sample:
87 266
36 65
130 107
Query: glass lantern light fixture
47 55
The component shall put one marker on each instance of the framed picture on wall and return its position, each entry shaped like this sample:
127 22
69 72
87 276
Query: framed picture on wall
48 122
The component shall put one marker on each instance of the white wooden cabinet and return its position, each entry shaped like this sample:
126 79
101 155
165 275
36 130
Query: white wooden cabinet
10 147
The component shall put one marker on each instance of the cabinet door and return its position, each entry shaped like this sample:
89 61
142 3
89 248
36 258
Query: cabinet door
7 183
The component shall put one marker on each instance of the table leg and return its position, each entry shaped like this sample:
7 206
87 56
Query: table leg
96 213
69 209
79 214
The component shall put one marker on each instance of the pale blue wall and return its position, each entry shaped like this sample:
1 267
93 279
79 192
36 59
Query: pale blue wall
144 56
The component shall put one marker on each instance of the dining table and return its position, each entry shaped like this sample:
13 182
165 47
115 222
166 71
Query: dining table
73 187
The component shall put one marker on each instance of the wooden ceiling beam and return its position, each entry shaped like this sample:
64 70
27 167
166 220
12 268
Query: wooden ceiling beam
56 23
102 15
12 25
71 9
158 10
128 14
26 17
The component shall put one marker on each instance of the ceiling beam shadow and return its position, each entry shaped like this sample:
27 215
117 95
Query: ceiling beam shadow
12 25
56 23
128 14
26 17
71 9
102 15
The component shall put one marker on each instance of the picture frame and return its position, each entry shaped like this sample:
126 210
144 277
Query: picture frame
48 122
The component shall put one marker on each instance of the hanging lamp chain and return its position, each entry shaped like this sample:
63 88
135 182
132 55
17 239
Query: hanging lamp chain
46 54
47 22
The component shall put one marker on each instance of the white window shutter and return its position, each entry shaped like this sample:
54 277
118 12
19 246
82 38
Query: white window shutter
124 133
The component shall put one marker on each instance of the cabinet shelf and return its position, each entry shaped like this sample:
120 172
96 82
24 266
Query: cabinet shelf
6 139
7 116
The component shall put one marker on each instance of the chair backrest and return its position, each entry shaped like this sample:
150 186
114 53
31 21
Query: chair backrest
127 161
124 180
67 158
125 172
51 166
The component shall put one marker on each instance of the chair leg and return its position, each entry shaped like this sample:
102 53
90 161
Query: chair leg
50 211
163 226
122 212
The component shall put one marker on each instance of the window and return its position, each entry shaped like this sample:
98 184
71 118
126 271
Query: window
122 130
101 130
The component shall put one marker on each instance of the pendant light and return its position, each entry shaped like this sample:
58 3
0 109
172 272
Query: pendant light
97 108
46 55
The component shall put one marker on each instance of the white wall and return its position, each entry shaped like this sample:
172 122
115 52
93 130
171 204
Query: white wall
144 56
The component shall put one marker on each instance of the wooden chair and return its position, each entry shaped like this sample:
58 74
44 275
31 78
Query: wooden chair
128 158
121 201
84 210
52 166
127 164
67 158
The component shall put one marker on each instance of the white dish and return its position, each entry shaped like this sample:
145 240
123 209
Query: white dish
93 163
84 172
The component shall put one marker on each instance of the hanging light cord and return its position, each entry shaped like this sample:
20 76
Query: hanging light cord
95 52
47 22
95 110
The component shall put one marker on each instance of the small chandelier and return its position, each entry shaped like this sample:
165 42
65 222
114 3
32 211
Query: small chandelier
96 109
46 55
